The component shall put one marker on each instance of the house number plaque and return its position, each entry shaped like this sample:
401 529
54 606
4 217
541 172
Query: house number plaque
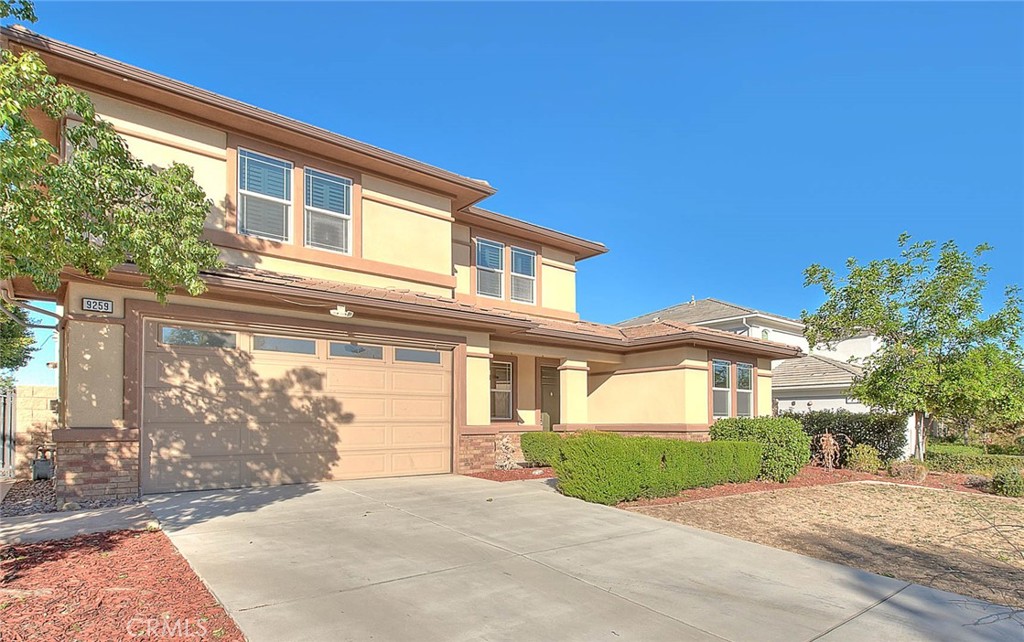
103 306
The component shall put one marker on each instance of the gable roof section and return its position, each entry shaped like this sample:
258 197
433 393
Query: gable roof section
701 311
579 247
254 283
814 371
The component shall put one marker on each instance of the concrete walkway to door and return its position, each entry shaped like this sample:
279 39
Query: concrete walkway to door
457 558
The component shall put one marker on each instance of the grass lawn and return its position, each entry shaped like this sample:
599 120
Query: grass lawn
970 544
123 585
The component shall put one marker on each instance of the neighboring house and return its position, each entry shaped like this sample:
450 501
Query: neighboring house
819 381
370 320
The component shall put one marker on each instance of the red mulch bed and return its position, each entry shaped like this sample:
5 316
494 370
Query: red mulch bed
518 474
809 476
108 586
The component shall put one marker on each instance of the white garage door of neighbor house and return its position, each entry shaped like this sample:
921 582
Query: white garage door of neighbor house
225 408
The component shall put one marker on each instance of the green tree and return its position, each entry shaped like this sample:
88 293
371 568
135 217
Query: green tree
98 206
925 307
984 391
16 343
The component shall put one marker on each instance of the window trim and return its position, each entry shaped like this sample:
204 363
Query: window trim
500 272
739 391
714 388
733 359
511 362
331 355
255 335
512 274
306 208
396 360
289 205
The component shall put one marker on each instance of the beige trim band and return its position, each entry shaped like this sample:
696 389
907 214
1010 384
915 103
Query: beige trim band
691 428
480 355
392 202
65 435
577 368
681 366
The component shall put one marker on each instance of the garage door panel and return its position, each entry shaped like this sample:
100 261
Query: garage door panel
436 382
419 435
216 418
200 473
181 405
210 371
341 380
269 438
420 408
177 441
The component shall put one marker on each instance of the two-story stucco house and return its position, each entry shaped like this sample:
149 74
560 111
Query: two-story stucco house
371 318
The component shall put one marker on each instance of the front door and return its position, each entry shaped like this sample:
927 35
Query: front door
550 398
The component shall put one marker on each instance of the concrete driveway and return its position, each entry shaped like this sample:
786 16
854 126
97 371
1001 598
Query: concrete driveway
457 558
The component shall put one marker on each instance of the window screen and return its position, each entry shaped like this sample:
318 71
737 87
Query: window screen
490 268
501 390
264 195
328 211
524 266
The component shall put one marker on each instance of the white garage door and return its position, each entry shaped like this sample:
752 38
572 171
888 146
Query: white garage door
225 408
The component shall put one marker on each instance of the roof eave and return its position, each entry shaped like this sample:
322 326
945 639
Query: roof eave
74 65
581 248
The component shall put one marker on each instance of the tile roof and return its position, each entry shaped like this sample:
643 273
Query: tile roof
522 324
699 311
813 370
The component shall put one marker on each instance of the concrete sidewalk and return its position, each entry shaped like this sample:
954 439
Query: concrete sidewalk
64 524
457 558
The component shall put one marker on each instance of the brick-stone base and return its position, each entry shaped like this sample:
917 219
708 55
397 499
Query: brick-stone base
96 463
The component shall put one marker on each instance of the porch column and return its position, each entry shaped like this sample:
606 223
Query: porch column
572 387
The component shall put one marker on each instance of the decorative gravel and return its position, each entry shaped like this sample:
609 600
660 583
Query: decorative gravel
33 497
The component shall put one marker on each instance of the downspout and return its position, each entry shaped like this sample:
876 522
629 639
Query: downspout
8 299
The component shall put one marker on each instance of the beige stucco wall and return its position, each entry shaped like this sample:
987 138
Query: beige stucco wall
657 387
558 279
93 370
573 391
461 258
764 387
395 234
159 139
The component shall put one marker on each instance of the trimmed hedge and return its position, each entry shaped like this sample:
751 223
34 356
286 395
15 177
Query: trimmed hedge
787 448
885 432
607 468
965 462
540 448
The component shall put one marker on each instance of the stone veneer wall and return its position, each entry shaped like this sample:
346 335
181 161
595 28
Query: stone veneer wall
96 463
34 420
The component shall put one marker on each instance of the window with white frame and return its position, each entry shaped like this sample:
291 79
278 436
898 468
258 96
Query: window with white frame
721 388
264 196
744 390
501 390
328 216
490 268
524 275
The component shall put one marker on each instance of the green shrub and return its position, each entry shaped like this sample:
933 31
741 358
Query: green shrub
1008 482
969 462
540 448
864 458
787 448
887 433
954 449
607 468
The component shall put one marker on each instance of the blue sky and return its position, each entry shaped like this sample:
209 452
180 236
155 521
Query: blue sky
722 147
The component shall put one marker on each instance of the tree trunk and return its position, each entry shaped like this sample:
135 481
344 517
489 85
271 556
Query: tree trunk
919 435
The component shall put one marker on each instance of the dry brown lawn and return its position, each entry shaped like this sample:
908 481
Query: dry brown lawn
965 543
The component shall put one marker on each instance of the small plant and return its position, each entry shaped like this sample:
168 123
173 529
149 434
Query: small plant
864 459
505 454
827 449
1008 482
908 470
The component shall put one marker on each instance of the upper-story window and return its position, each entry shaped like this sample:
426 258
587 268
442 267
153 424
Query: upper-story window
524 275
328 211
490 269
264 196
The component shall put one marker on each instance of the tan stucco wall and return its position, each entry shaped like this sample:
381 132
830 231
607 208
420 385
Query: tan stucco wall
558 278
478 379
93 370
159 139
461 258
526 389
400 236
573 391
658 387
